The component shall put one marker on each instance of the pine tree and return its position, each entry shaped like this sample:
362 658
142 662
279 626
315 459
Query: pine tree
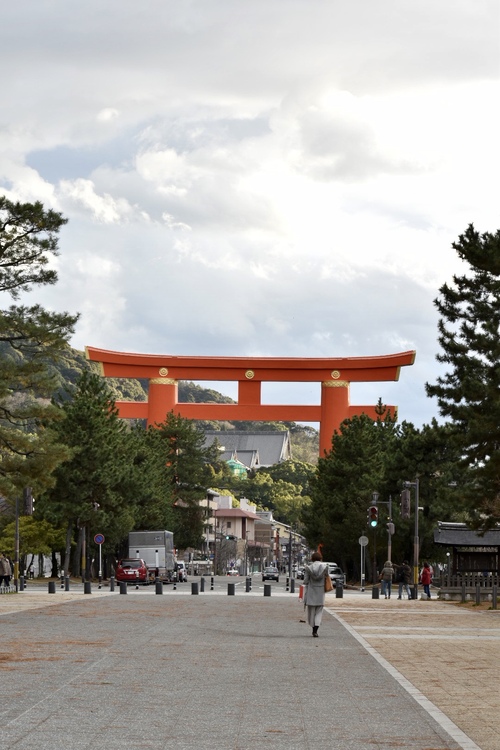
30 339
469 392
183 470
345 481
95 488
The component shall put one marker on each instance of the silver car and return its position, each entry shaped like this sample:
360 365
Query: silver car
337 575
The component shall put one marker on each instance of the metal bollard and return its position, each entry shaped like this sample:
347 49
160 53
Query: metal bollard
175 584
52 587
194 587
248 586
202 584
231 588
463 591
87 587
292 586
62 580
478 594
158 587
21 583
212 583
339 591
267 589
123 587
112 583
494 596
287 584
375 592
66 583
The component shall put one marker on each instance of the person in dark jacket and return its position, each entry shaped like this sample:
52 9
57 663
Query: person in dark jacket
404 579
314 591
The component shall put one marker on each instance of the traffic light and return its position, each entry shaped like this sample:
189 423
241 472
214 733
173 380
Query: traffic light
373 516
405 504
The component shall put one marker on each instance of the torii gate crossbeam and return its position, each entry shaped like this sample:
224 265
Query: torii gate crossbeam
335 375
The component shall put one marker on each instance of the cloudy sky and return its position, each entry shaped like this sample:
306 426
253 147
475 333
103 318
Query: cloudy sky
273 178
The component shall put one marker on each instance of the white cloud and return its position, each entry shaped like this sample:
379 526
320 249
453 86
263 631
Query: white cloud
107 114
255 179
103 208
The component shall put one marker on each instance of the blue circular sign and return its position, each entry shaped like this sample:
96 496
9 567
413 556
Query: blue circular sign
99 538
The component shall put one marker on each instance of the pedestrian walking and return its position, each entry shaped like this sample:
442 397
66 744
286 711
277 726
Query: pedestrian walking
5 571
314 591
426 578
403 578
386 578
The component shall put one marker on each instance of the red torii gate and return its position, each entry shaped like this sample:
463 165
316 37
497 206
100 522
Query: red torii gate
335 375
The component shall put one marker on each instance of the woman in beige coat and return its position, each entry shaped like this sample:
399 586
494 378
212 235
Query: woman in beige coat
386 577
314 591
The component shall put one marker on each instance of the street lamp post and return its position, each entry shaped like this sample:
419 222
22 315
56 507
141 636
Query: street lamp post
16 551
375 497
389 525
416 542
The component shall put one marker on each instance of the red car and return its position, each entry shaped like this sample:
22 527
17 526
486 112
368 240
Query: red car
132 570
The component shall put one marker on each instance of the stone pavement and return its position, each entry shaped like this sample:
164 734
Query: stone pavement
449 654
242 672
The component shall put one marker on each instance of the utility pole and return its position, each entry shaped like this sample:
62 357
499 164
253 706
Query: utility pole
390 531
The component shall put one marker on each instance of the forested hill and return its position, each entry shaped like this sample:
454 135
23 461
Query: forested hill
305 439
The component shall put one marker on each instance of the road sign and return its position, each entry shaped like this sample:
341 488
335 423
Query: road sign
99 538
363 540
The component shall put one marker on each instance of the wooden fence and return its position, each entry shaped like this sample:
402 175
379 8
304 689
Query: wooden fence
466 586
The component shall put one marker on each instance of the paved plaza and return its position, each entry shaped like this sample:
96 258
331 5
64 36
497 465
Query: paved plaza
82 672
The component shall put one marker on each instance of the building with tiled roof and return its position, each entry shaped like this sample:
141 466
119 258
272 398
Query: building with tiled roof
254 449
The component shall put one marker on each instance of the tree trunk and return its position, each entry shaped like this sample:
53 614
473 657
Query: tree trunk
67 551
55 567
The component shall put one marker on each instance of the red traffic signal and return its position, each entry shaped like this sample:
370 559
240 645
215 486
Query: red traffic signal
372 515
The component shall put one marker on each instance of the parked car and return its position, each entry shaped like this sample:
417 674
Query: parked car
131 570
233 572
336 574
300 574
270 574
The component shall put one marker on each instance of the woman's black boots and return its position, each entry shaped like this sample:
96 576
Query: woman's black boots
315 631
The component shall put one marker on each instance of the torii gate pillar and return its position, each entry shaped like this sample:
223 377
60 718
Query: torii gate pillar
334 410
334 374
